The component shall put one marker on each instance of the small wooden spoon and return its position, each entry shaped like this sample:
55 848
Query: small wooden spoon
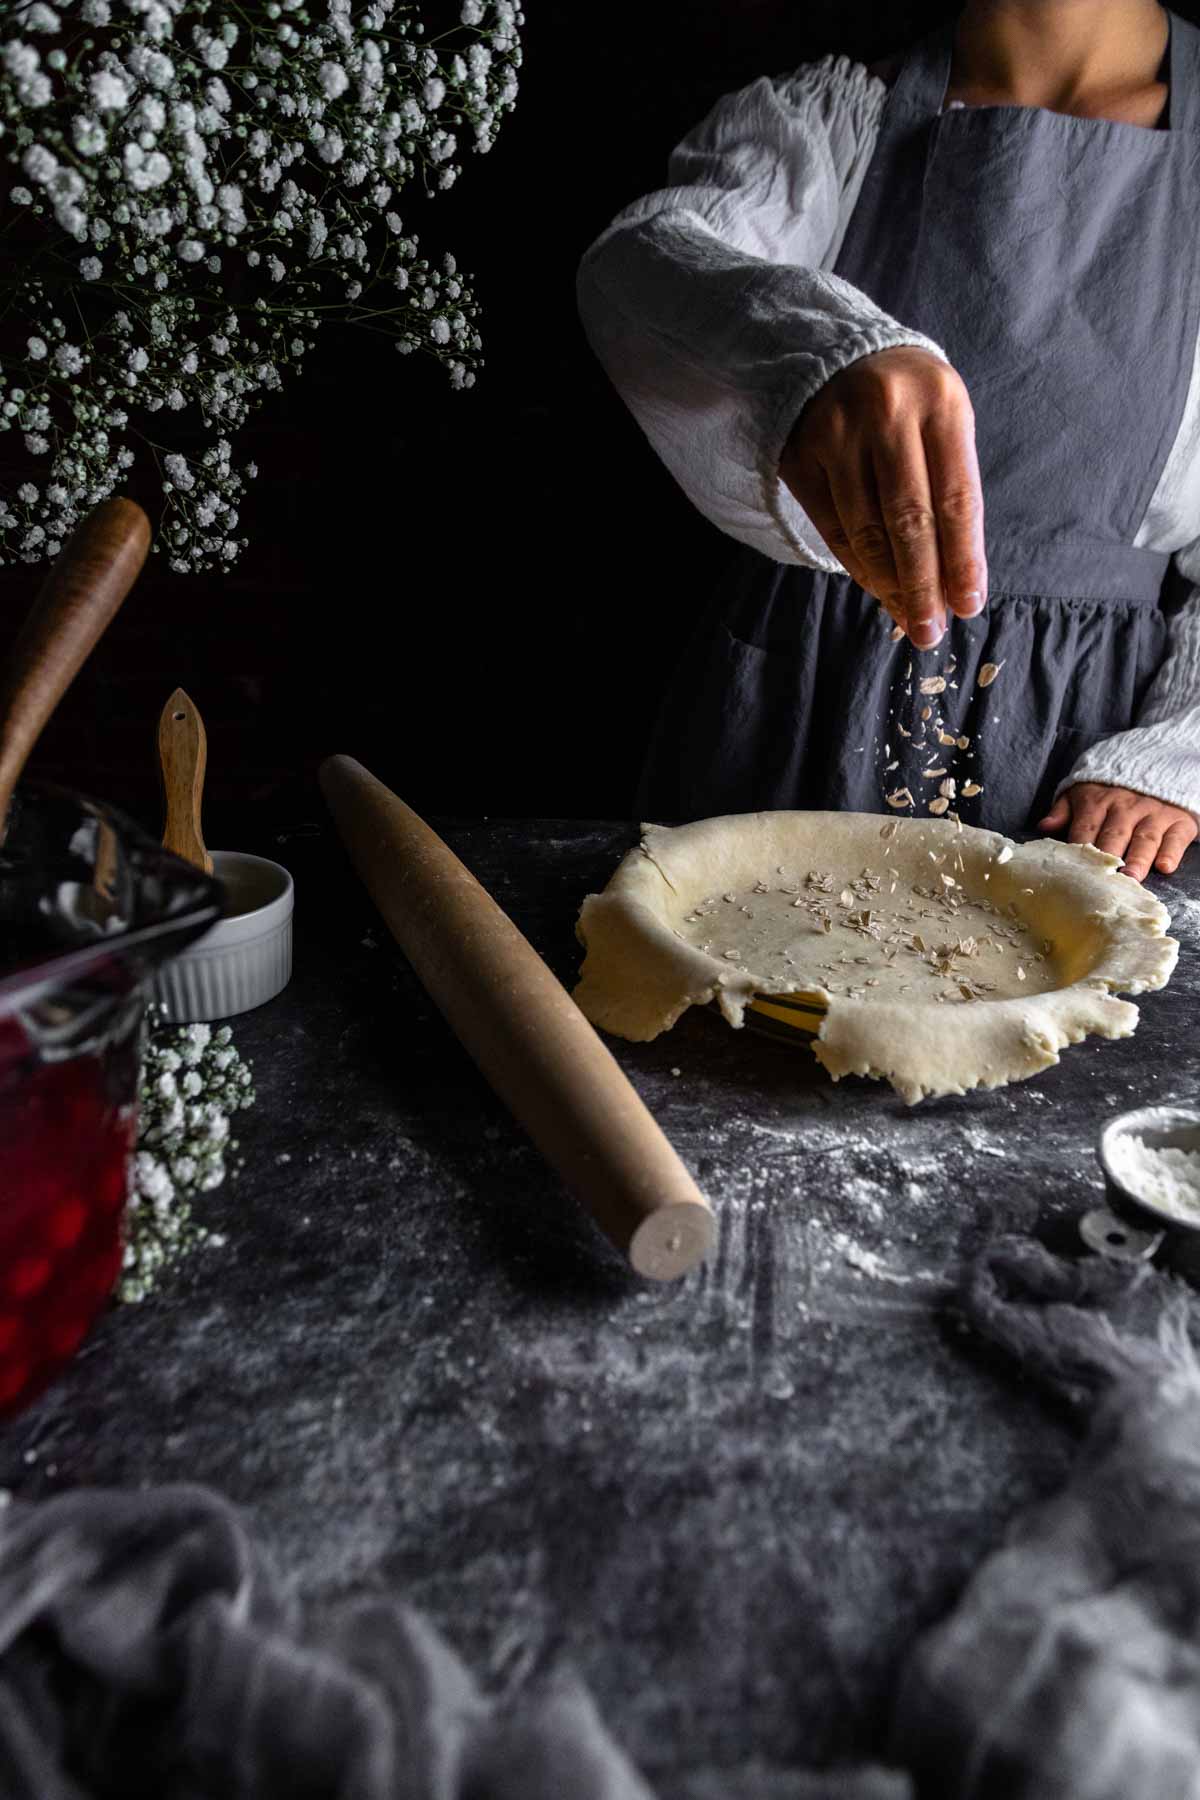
182 760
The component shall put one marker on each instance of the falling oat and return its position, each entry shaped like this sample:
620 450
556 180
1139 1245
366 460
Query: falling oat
938 806
901 797
947 787
971 788
988 673
936 684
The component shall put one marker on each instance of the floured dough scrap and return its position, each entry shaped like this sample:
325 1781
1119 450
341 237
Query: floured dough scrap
943 957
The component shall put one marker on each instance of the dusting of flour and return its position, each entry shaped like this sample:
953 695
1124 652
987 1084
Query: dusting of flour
1169 1178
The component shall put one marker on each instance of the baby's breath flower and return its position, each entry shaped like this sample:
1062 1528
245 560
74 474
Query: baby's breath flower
182 1147
334 79
108 92
207 149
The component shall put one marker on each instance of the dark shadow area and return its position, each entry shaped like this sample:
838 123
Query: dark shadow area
481 593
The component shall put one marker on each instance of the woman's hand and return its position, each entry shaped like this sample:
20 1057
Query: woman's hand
1142 830
882 459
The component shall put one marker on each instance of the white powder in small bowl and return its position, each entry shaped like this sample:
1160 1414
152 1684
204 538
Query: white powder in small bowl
1169 1178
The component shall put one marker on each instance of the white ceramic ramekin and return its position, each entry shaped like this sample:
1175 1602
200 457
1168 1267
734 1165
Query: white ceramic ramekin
245 959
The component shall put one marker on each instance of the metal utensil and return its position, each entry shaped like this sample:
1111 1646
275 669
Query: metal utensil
1160 1128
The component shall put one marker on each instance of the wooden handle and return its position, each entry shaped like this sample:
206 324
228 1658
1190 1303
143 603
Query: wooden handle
94 571
182 760
523 1029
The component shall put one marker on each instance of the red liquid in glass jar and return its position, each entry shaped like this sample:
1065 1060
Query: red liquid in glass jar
64 1144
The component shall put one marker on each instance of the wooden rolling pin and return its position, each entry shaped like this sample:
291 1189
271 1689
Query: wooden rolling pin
522 1028
86 584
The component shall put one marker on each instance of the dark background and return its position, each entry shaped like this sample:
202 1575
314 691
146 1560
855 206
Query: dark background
480 594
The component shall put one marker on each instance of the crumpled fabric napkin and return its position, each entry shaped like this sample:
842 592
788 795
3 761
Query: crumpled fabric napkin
1070 1669
148 1649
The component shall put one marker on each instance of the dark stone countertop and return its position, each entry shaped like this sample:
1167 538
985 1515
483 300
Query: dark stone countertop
731 1501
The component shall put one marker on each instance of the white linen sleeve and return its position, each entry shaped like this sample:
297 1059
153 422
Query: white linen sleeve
1160 755
710 305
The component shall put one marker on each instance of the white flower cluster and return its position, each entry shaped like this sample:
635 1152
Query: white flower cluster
192 1082
196 187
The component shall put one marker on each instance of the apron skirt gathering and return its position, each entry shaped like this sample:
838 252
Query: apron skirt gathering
1054 259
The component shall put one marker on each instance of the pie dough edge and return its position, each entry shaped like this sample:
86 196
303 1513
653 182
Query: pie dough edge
638 978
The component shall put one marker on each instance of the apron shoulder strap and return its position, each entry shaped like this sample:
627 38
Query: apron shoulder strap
1183 74
919 90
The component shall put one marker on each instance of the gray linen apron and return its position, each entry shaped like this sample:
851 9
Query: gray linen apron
1055 260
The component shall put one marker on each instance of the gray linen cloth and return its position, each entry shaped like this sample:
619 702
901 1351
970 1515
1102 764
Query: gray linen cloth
147 1648
1070 1669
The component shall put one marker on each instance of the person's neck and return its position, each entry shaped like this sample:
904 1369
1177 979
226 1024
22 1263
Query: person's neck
1061 54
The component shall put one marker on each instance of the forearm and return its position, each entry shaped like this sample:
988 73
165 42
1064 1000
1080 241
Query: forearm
711 306
1160 754
716 354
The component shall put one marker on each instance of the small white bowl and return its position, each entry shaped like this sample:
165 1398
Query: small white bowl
245 959
1159 1127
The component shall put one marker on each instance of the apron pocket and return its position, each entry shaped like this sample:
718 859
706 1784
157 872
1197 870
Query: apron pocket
759 702
729 731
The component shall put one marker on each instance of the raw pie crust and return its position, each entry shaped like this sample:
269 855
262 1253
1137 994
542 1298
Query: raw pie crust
946 957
